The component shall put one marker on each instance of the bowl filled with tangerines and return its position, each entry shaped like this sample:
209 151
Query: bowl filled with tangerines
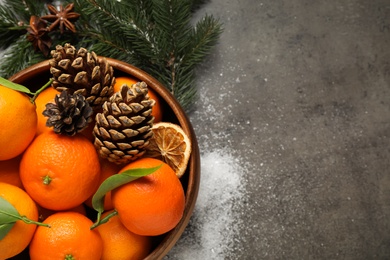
98 160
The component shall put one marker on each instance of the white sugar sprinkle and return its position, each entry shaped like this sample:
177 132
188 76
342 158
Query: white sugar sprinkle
214 229
215 221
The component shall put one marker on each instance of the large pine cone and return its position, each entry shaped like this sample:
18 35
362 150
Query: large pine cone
70 114
80 71
123 129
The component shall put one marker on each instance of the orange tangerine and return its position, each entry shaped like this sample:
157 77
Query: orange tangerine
107 169
58 171
44 213
151 205
9 171
18 122
121 244
69 237
42 99
20 235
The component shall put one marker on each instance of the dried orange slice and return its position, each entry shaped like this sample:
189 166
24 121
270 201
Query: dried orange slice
170 144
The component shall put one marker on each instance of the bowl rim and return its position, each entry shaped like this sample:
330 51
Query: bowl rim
193 168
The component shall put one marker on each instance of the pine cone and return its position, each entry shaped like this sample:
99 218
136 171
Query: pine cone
123 129
70 114
80 71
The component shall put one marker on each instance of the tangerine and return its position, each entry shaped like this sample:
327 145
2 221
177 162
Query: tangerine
44 213
42 99
18 122
156 109
107 169
151 205
9 171
58 171
20 235
121 244
69 237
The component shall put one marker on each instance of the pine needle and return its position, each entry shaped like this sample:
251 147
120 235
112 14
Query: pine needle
154 35
19 56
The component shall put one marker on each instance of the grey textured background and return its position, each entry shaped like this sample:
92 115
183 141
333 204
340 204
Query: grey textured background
300 89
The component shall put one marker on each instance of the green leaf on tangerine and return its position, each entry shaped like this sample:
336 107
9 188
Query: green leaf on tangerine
8 216
14 86
114 182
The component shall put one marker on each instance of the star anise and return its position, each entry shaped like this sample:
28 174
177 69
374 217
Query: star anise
37 35
62 18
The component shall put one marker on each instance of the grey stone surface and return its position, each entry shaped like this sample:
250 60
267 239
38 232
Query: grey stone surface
299 89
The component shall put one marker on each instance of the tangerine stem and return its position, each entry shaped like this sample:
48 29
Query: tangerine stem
69 257
46 180
35 95
30 221
105 219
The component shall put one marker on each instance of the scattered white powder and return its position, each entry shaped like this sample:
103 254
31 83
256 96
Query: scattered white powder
215 225
215 222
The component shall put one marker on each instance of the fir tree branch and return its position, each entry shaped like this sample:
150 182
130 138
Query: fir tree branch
204 36
154 35
15 16
173 38
11 27
112 32
9 33
19 56
23 9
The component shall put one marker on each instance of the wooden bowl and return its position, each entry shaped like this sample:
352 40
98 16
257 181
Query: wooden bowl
38 74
